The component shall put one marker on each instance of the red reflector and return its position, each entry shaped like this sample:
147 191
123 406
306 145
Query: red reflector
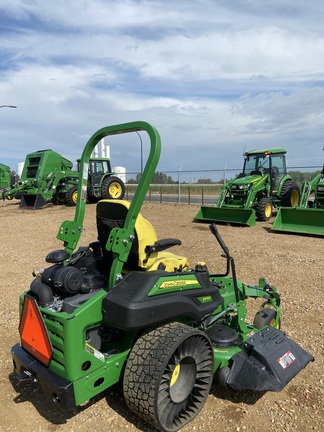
33 333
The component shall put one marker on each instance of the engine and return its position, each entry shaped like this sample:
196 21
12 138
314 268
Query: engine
64 287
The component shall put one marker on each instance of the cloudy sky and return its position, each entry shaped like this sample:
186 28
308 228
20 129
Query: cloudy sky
213 76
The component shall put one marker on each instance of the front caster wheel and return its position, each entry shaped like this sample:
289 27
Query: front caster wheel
168 375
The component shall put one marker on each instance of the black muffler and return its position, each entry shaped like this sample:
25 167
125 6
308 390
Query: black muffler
268 362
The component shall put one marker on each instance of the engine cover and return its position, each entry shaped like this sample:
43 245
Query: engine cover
130 305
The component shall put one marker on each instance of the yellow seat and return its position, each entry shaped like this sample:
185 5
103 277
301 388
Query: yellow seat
143 254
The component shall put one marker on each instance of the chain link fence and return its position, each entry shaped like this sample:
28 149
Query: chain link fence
199 187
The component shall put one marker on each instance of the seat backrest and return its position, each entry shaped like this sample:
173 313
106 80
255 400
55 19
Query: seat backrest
112 214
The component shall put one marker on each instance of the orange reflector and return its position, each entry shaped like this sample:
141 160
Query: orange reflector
33 333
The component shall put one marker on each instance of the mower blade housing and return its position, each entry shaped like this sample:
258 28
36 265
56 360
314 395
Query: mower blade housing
268 362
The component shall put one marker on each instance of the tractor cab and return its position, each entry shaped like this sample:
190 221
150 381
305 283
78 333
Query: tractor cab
266 162
97 169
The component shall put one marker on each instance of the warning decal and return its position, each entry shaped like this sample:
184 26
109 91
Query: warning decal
286 360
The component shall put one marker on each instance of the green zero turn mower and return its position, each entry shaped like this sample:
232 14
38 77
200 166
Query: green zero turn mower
125 309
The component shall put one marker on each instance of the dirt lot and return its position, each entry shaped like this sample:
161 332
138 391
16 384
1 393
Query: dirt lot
292 263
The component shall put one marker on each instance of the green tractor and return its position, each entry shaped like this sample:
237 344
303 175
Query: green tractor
308 216
102 183
48 177
125 309
263 185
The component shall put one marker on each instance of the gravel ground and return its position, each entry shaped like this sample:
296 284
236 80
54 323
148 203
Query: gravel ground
292 263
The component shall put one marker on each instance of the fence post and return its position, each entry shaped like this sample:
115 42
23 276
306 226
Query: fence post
202 196
189 195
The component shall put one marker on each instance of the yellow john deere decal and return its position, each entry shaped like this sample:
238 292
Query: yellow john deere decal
177 283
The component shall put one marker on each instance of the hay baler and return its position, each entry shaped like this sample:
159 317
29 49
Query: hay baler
43 172
262 185
126 309
6 179
308 216
48 177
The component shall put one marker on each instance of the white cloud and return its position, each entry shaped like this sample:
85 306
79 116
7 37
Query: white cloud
211 77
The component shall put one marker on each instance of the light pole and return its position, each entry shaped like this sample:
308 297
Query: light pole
141 151
8 106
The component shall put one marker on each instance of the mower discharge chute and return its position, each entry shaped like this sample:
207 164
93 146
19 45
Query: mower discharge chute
126 309
308 216
263 185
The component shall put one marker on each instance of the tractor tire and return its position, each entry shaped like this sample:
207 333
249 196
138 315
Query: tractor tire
168 375
112 188
264 318
264 209
290 194
72 196
58 199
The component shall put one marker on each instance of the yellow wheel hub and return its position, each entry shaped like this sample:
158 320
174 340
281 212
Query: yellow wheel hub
294 198
175 375
268 210
115 190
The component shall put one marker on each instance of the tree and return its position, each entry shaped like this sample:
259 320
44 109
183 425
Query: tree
205 181
161 178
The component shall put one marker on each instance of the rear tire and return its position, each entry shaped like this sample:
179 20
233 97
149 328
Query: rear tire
264 209
72 196
112 188
168 375
290 194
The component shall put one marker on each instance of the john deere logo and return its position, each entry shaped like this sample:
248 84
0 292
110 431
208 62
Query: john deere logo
177 283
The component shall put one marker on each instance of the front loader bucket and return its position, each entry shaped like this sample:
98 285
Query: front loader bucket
32 201
297 220
229 215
